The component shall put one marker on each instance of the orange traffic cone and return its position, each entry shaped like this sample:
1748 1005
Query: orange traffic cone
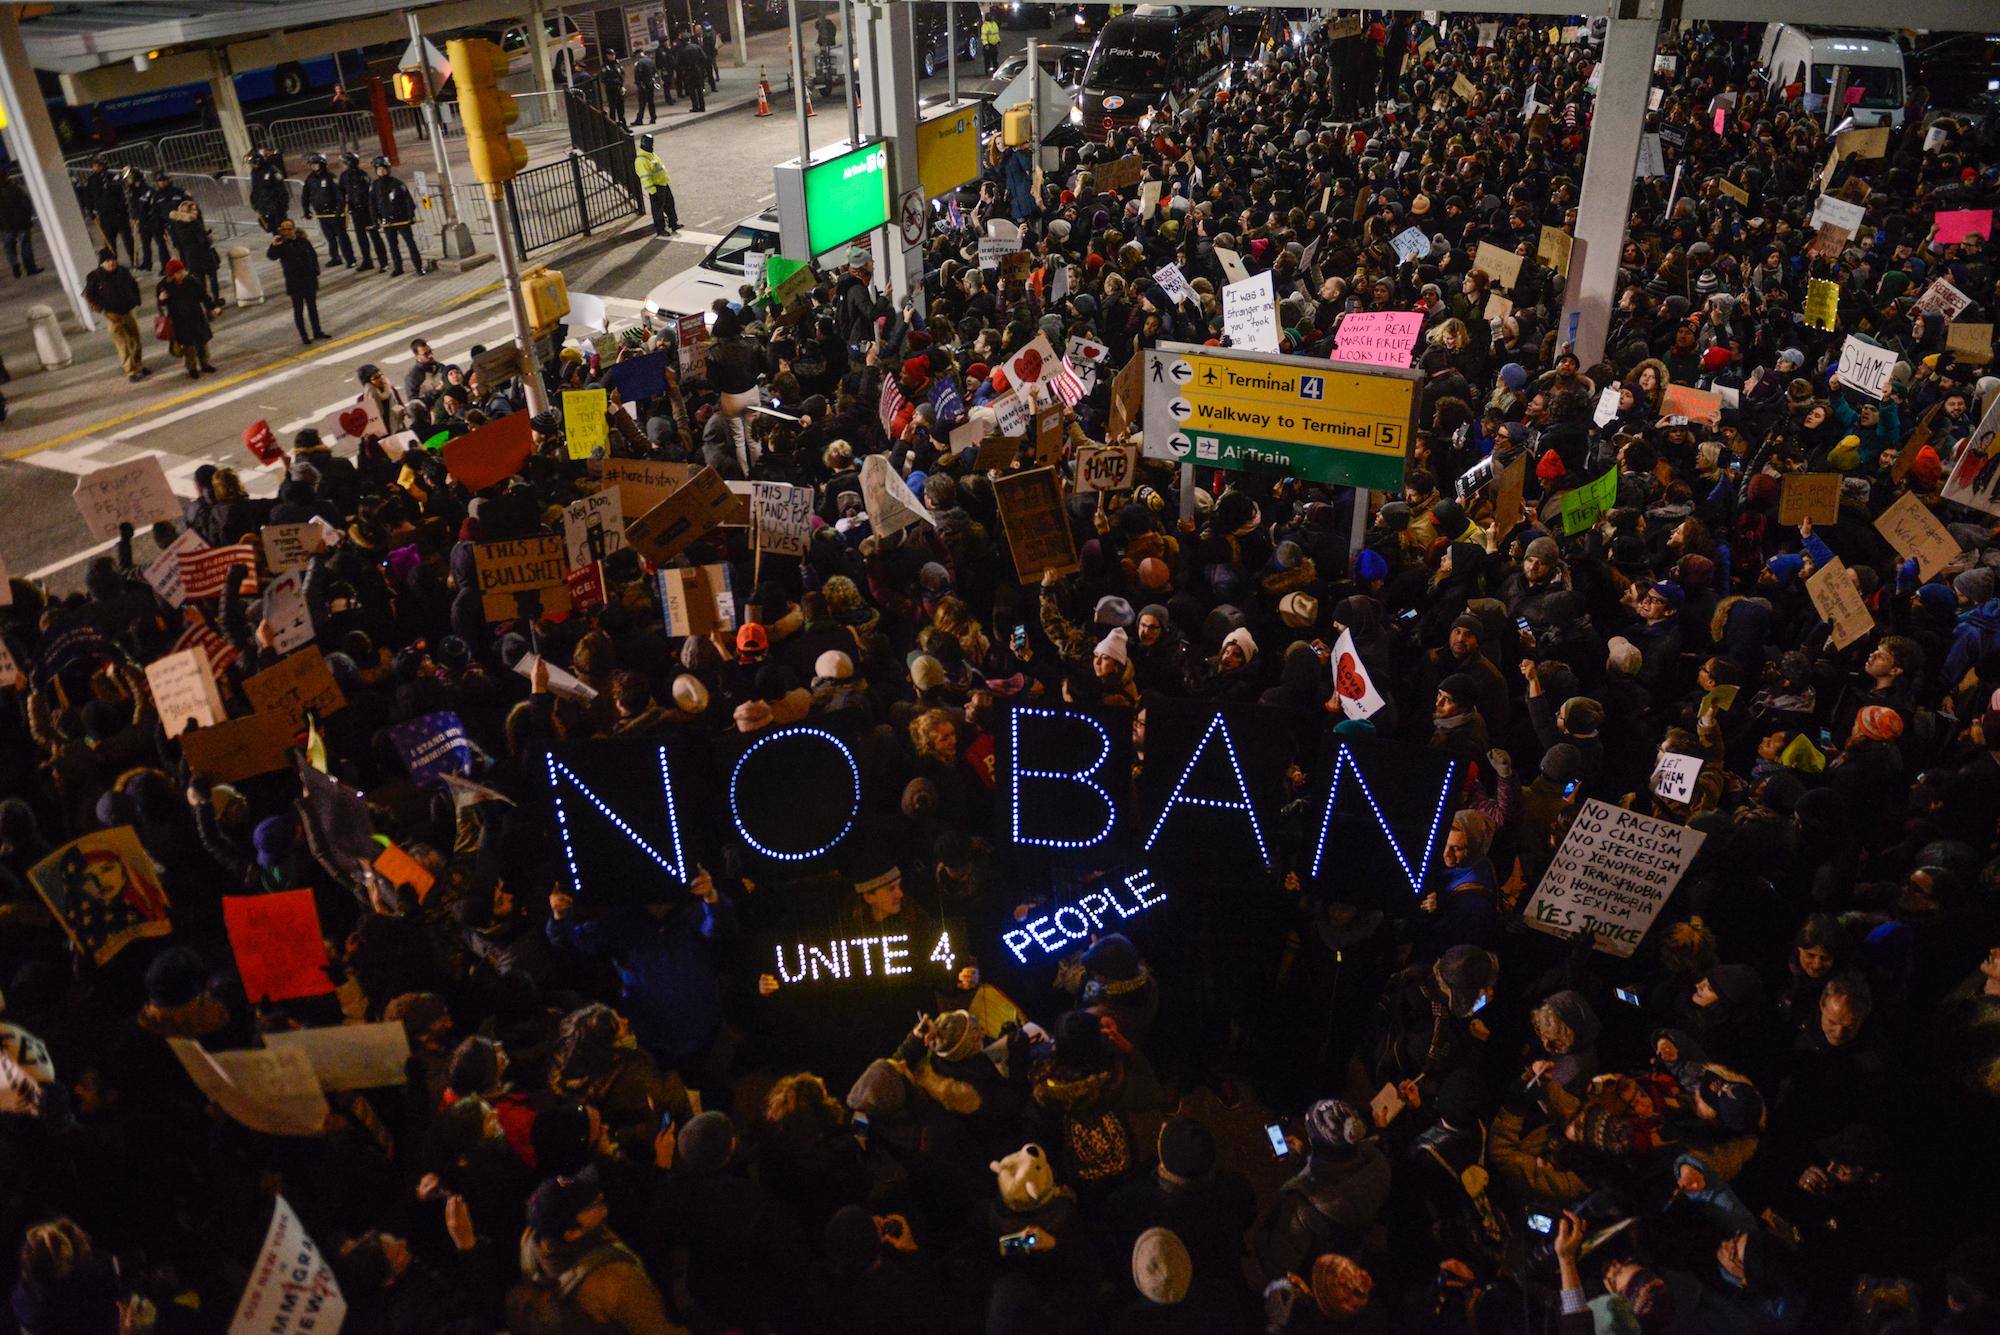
809 101
763 97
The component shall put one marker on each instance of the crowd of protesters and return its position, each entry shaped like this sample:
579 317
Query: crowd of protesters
1775 1116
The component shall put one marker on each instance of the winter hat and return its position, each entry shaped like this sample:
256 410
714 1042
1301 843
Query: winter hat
175 977
1112 646
1187 1148
1544 549
1298 609
833 665
955 1036
1878 723
920 799
1466 972
1739 1108
1245 643
1160 1267
559 1200
1562 762
926 673
1623 657
1332 1124
880 1089
1550 468
273 839
1461 688
1340 1287
1976 585
1581 717
1670 593
1369 564
1513 375
1113 956
1938 598
1234 510
1027 1179
1112 611
689 694
705 1142
1467 621
1785 567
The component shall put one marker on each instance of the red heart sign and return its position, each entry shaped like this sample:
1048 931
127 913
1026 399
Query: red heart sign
354 422
1029 364
1349 682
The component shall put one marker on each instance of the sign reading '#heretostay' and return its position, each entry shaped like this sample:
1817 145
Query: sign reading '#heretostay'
1321 421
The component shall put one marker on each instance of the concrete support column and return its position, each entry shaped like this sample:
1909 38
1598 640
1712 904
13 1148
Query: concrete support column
31 139
538 46
739 33
886 38
229 112
1605 205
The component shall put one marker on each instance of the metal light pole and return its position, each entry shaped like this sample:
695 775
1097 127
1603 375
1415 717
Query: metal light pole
456 237
951 51
517 305
853 103
799 80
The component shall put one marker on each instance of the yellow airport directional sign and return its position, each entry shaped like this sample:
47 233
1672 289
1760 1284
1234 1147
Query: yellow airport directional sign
1320 421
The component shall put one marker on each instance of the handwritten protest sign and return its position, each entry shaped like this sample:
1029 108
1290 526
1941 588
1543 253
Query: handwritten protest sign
892 506
1970 343
239 748
269 1091
1839 604
1037 526
1554 248
280 954
1809 496
1128 397
1250 314
184 692
1697 405
1674 776
644 483
1106 467
1954 225
1410 244
291 546
593 528
1865 367
1377 338
1913 530
586 430
1847 217
350 1056
1585 505
521 566
1502 266
134 492
287 612
783 518
398 869
432 746
297 686
1942 297
1610 876
1862 144
682 519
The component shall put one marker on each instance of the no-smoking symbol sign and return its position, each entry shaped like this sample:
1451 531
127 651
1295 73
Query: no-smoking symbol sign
914 217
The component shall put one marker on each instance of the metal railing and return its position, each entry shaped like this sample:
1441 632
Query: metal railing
330 134
582 193
224 203
204 151
141 155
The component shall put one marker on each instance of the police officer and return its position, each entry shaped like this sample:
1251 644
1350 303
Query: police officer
642 76
396 211
326 201
653 179
361 208
612 80
267 189
694 72
710 47
989 40
104 195
140 194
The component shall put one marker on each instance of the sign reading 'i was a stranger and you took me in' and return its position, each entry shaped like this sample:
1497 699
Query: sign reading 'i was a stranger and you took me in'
1331 422
1219 809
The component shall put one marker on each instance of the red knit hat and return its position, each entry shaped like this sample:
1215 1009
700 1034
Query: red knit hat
1715 358
1551 467
976 371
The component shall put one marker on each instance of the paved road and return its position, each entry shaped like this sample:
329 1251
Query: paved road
65 423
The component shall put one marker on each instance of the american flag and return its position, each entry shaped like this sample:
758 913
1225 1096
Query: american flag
1067 385
955 215
220 652
892 403
203 572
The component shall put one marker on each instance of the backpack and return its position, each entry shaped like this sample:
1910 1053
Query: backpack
1483 1229
1097 1145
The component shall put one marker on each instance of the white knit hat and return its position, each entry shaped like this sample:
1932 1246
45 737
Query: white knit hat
690 694
1113 645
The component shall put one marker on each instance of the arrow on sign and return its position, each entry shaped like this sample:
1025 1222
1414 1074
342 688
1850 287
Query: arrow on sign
1182 372
1180 410
1180 443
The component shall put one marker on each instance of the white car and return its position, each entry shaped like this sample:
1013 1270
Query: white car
726 267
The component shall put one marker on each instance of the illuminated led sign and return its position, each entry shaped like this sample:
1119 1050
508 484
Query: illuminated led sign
1075 924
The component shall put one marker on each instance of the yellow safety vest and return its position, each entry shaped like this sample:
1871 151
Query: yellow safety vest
989 33
652 172
1116 10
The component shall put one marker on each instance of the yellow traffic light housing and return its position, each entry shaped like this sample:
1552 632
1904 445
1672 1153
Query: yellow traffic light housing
410 86
546 297
476 65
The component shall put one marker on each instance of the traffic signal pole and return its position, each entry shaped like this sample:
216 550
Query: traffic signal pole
457 237
517 305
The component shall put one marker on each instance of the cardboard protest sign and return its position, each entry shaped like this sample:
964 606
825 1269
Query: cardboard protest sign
1865 367
1502 266
104 891
299 685
1674 777
1011 415
1610 876
695 600
1106 467
287 612
1583 506
593 528
1250 314
682 519
1037 526
892 506
163 572
1697 405
432 746
292 1289
398 868
1554 248
1128 397
1838 602
1149 198
269 1091
1048 431
783 524
1498 307
520 571
1862 144
1913 530
349 1056
487 456
1377 338
586 431
291 546
1970 343
1809 496
1353 688
239 748
1954 225
204 571
996 452
280 954
561 682
134 492
1122 174
1464 89
1410 244
643 483
1733 190
1847 217
1822 304
1233 268
184 693
1508 490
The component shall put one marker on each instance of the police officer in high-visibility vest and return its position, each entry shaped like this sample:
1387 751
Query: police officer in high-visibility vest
989 40
653 180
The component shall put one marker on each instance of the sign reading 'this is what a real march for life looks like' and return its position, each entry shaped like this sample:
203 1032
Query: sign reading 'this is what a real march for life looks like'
1320 421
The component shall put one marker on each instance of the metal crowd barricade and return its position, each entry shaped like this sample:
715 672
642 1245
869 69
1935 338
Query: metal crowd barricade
194 151
332 134
141 155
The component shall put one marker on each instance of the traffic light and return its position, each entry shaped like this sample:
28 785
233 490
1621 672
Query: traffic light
476 66
410 85
546 297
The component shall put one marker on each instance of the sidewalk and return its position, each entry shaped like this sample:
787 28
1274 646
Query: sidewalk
768 52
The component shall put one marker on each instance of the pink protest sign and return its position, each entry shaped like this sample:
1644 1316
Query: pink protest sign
1955 225
1721 118
1378 338
1852 96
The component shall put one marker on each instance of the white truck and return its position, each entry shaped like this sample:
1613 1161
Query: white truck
1861 68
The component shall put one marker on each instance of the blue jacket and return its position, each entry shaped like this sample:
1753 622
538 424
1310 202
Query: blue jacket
1978 635
671 992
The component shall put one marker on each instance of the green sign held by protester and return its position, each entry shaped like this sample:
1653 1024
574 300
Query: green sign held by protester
1584 506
